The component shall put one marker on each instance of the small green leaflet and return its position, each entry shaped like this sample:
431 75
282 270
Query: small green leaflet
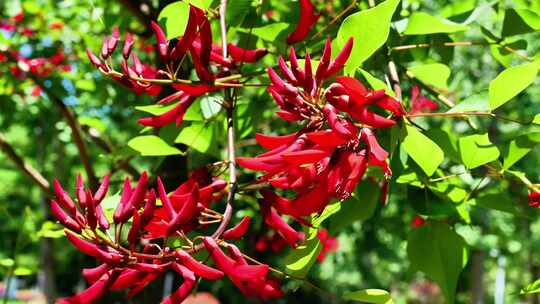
427 154
439 252
520 21
434 74
376 83
511 82
476 150
173 19
421 23
198 136
369 29
376 296
534 287
151 145
299 261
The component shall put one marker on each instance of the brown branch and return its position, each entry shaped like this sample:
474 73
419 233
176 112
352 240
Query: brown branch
25 167
228 103
394 79
73 124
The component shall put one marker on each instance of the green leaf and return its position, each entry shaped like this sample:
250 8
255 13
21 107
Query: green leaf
434 74
359 207
476 150
421 149
474 103
193 113
198 136
534 287
497 201
439 252
51 230
93 122
376 83
268 32
376 296
173 19
299 261
369 28
520 21
210 106
421 23
151 145
511 82
518 148
237 11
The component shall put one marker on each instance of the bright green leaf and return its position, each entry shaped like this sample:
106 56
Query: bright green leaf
421 23
376 83
511 82
151 145
518 148
198 136
439 252
268 32
497 201
237 11
376 296
434 74
476 150
474 103
299 261
369 28
421 149
173 19
520 21
534 287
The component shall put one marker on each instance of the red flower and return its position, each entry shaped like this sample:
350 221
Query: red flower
329 244
421 103
306 22
534 199
417 221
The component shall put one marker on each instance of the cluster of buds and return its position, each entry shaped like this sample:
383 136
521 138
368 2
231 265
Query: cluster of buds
135 261
327 158
212 69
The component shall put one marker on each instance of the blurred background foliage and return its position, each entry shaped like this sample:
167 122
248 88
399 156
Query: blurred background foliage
487 210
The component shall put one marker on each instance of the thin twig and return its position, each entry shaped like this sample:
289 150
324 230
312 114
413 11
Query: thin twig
394 79
229 106
25 167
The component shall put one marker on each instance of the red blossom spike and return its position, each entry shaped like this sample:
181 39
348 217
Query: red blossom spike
149 208
184 290
102 219
237 231
375 150
326 138
197 267
137 65
165 201
63 198
367 117
297 71
91 294
121 212
272 219
239 54
91 275
341 59
175 114
281 86
91 216
306 156
286 71
162 44
306 22
63 218
324 62
113 40
186 213
335 123
133 234
102 190
274 141
128 45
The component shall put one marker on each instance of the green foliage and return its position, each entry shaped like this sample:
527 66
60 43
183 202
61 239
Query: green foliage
376 296
151 145
477 150
173 18
369 28
511 82
421 23
427 154
434 74
440 253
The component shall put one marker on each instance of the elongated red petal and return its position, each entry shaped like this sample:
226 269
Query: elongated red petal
187 286
375 150
63 198
127 278
133 234
326 138
165 200
151 268
320 75
274 141
305 156
189 35
91 275
91 294
306 22
239 54
102 219
185 214
239 230
149 208
197 267
335 123
355 89
162 44
367 117
341 59
63 218
272 219
128 45
286 71
121 210
103 188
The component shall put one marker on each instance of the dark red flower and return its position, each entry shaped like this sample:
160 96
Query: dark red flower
329 244
417 221
421 103
534 199
308 17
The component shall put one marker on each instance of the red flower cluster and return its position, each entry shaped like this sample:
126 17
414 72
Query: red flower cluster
329 156
197 42
133 263
329 244
534 199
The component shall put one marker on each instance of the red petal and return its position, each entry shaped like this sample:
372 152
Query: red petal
237 231
306 22
274 141
239 54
